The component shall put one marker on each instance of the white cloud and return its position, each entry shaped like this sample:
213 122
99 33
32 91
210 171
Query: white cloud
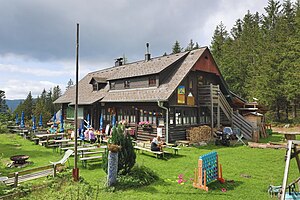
40 72
15 89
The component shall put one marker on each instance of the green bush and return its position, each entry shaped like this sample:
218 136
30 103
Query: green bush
3 128
138 176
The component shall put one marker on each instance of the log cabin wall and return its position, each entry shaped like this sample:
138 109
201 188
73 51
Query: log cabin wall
133 113
134 82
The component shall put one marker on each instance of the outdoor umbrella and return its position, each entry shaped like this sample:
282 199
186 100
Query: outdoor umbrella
113 122
17 119
101 123
54 120
62 124
33 123
41 120
22 125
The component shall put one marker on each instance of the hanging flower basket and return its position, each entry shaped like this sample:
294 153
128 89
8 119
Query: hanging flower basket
113 148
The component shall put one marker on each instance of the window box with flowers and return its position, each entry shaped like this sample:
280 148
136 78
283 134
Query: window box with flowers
146 126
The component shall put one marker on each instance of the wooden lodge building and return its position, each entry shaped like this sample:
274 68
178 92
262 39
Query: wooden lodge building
172 93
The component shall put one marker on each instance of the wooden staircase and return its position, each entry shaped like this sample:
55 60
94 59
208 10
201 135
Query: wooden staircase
210 96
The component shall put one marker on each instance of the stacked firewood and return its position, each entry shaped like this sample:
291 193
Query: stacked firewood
199 134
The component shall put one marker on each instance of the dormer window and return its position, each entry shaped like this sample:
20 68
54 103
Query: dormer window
95 86
98 83
112 85
152 81
126 84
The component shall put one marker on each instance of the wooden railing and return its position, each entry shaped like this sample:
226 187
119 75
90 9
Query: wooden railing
21 176
246 128
225 106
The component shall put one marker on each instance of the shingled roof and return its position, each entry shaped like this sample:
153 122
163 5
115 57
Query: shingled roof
141 68
87 96
164 91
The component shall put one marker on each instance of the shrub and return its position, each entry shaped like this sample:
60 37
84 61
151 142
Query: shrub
126 157
138 176
3 128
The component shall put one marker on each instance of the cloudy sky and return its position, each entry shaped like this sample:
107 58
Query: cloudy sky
38 38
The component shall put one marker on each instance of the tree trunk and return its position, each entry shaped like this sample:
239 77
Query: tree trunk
277 111
294 110
287 112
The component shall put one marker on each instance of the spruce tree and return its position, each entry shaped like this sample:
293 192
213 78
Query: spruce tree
3 105
28 106
176 48
56 95
69 84
126 156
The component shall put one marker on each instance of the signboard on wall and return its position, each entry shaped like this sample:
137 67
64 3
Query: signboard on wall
190 100
181 95
159 131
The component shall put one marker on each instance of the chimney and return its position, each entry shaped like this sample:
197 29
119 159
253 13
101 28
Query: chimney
147 55
118 62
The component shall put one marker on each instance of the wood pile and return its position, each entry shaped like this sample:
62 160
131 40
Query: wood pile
199 134
266 145
262 131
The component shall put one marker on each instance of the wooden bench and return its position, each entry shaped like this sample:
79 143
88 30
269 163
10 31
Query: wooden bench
161 153
92 152
26 175
35 140
85 159
175 149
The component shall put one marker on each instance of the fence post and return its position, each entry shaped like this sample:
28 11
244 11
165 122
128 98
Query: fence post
16 179
212 109
218 108
54 170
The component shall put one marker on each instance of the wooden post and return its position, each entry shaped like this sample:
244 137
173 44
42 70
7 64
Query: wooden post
16 179
212 109
297 156
286 170
54 170
75 171
218 109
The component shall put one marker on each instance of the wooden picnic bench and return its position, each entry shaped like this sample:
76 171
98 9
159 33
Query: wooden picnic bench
175 149
92 152
85 159
26 175
139 148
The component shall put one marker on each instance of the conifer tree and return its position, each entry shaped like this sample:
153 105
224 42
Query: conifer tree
126 156
3 105
176 48
69 84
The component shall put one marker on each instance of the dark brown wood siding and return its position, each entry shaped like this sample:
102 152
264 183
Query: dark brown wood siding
138 82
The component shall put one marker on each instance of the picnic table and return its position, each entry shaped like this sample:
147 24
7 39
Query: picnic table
61 142
146 146
289 135
86 151
48 136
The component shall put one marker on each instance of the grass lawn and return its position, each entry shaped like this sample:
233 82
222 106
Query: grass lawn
248 171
